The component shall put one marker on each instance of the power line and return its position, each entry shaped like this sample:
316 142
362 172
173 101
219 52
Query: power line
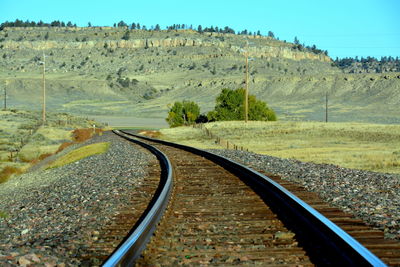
364 47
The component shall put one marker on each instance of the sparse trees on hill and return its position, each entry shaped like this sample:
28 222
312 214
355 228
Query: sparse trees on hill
271 34
368 64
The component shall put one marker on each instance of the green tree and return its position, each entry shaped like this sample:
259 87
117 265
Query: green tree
230 106
122 24
183 113
271 34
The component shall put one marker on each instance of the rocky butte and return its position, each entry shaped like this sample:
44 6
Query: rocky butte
116 71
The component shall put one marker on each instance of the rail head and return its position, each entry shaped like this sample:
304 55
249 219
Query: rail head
343 247
133 245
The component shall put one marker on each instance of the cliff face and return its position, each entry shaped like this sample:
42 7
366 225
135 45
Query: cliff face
90 38
262 51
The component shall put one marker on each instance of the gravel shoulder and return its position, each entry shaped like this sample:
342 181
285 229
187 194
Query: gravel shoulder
50 213
371 196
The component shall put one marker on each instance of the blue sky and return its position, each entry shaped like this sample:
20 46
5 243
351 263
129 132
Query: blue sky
344 28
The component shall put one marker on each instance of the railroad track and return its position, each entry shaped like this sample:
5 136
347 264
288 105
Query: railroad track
227 214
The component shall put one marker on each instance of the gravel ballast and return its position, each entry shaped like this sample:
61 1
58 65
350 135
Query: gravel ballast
48 214
371 196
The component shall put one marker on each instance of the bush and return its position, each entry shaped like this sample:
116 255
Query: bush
126 36
124 82
183 113
81 135
230 106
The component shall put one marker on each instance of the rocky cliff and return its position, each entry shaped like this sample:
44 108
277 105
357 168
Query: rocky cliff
260 46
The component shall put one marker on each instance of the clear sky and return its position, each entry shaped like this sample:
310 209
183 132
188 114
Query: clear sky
346 28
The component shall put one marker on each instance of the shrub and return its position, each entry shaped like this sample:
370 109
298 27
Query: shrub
230 106
81 135
126 36
124 82
183 113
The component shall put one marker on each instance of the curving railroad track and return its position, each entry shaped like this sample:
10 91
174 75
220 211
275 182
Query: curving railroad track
211 211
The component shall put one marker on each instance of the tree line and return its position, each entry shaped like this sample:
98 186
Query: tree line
303 47
135 26
368 64
348 61
40 23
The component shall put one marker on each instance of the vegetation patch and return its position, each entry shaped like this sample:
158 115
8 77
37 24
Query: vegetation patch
80 153
3 214
183 113
371 147
230 106
24 140
7 172
188 136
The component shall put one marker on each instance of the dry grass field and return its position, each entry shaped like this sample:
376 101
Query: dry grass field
80 153
24 140
372 147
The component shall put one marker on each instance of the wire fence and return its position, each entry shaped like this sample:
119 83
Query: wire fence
218 140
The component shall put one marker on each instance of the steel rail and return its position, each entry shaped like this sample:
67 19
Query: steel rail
340 248
133 245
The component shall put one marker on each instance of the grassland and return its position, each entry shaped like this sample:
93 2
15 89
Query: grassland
24 140
80 153
372 147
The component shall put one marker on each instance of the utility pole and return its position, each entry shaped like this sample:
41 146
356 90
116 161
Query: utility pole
44 91
246 97
5 96
326 107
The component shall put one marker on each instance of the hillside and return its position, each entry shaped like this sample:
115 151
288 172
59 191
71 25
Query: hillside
24 140
112 71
